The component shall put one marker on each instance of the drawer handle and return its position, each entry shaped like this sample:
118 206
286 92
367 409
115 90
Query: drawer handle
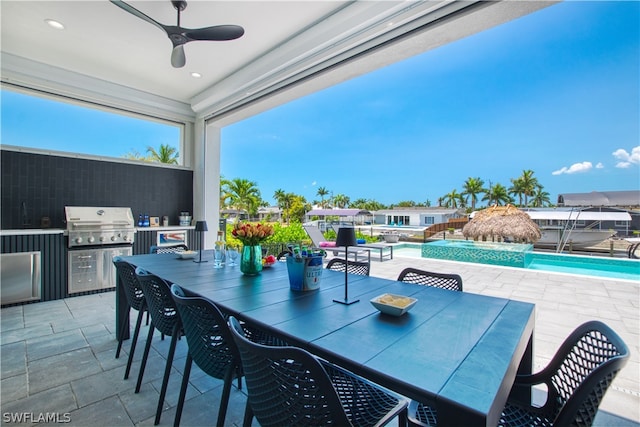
85 256
85 267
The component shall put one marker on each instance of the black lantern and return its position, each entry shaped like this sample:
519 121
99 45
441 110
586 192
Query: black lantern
346 237
201 227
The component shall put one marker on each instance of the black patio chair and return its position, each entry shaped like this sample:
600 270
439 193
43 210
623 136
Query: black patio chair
576 380
354 267
168 249
164 318
210 346
452 282
289 386
135 299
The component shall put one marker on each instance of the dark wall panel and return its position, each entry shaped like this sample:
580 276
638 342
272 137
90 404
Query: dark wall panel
38 185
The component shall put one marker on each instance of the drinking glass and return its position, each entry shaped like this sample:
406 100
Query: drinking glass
218 254
233 255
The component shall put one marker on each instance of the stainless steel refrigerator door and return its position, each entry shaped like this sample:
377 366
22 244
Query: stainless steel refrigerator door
20 277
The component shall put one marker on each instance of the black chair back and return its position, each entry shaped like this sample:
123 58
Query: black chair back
211 345
576 379
452 282
582 370
130 285
162 309
164 318
286 385
135 299
354 267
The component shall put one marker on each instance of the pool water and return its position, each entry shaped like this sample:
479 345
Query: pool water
521 256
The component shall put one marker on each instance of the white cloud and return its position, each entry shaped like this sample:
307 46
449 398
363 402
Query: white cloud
599 165
313 183
574 168
626 159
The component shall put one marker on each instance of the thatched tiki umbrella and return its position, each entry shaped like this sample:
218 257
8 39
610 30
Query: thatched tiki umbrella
502 221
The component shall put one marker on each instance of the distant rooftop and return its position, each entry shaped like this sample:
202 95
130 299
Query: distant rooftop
601 198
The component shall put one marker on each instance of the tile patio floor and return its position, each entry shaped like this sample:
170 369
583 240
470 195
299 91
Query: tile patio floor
57 357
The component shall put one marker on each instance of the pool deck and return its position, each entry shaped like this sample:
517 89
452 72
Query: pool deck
563 301
58 356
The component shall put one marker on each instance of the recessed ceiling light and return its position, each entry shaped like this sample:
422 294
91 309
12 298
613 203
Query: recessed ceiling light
54 24
196 75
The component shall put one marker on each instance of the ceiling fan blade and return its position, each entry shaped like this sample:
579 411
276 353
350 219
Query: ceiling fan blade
178 58
135 12
179 35
215 33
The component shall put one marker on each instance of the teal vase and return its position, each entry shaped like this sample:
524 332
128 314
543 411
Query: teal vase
251 260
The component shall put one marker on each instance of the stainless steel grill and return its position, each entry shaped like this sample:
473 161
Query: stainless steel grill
91 226
95 236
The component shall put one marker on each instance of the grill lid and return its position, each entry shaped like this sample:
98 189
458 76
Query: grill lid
85 217
99 225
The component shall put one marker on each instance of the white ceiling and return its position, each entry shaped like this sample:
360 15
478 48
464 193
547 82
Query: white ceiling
290 48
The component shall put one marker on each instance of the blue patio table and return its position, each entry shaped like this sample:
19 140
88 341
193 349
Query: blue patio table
458 351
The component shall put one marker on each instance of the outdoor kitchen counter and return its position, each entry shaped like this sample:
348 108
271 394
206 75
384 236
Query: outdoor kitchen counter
167 228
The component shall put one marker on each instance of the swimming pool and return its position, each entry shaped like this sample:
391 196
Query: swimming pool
521 256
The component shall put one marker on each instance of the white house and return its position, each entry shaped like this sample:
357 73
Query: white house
415 216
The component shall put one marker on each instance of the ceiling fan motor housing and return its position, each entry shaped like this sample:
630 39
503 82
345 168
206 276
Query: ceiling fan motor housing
180 5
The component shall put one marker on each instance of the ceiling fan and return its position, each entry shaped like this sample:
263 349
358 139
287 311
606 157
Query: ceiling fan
179 36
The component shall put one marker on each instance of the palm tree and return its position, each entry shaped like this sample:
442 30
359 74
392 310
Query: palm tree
366 205
244 195
279 196
471 188
134 155
322 192
540 198
498 195
165 154
517 189
288 200
529 184
341 201
462 200
224 194
283 200
451 200
359 204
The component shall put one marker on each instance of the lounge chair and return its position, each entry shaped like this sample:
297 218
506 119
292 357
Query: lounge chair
320 242
384 249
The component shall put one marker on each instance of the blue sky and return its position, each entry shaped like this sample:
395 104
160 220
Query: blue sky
557 92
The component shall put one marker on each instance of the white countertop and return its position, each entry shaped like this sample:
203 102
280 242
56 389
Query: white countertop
168 228
29 231
33 231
